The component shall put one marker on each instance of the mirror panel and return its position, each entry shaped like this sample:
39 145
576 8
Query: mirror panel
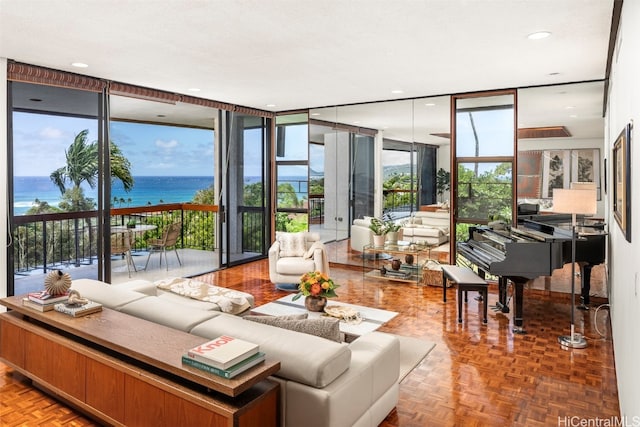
560 139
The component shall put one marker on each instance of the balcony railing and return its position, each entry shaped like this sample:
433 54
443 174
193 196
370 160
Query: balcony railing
398 201
49 241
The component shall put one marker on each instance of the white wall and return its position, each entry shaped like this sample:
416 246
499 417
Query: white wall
3 177
623 107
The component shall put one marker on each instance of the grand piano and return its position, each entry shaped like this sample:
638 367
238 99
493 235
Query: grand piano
536 247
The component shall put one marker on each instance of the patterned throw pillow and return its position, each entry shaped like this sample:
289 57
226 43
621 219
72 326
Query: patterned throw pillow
292 244
328 328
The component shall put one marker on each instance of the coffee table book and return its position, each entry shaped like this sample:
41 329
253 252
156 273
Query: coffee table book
223 352
37 306
78 310
236 369
43 297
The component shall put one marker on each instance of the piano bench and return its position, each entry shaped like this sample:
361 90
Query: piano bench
466 280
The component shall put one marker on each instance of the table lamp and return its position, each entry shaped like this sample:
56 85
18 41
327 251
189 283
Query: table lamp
579 199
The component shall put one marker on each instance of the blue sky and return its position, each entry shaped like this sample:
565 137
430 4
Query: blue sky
40 142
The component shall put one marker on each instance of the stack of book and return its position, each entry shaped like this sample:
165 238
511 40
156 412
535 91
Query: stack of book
224 356
43 301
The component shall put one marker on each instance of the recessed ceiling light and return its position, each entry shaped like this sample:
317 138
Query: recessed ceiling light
271 105
570 107
573 116
79 64
430 104
194 89
396 91
315 114
539 35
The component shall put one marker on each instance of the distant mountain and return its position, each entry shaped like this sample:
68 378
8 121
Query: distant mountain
396 169
387 171
313 172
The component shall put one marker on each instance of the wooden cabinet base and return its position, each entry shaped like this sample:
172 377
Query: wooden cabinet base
119 391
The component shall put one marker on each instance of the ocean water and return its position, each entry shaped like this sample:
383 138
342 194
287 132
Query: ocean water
147 189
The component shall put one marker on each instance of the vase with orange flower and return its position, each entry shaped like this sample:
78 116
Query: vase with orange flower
316 287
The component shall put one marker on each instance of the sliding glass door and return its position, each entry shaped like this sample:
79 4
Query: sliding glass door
244 208
54 171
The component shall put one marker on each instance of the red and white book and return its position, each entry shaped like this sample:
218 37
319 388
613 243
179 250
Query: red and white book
223 352
44 297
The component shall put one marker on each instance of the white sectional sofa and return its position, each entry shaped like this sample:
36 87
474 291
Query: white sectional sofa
323 383
427 227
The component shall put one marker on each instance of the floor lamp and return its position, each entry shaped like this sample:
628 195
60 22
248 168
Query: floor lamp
579 199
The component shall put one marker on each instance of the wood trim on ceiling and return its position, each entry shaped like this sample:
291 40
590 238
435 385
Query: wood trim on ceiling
26 73
544 132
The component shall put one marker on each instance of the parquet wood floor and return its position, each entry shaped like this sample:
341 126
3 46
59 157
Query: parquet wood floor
476 375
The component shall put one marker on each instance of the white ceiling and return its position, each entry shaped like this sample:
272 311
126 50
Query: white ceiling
311 53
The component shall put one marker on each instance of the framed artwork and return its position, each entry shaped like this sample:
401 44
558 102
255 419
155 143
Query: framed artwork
555 171
621 182
585 167
559 168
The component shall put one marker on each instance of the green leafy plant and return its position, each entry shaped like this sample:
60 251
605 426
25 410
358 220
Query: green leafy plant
443 181
378 227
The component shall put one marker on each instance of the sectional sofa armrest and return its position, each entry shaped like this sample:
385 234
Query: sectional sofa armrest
374 371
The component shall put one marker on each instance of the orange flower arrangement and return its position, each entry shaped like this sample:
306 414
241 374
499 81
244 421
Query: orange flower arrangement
316 284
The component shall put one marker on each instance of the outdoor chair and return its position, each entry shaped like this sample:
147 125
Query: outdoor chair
121 245
168 240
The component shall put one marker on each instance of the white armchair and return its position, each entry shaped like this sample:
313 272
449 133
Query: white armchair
293 254
361 234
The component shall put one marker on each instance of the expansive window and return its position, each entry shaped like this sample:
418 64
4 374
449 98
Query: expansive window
55 146
293 202
484 147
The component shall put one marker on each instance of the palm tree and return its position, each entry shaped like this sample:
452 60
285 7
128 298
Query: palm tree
82 166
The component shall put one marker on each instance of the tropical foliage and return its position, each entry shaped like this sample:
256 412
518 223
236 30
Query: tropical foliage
82 166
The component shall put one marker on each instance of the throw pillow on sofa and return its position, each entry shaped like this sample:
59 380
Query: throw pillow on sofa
328 328
292 244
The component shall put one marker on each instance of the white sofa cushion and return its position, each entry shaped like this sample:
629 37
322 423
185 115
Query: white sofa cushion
168 313
105 293
304 358
295 265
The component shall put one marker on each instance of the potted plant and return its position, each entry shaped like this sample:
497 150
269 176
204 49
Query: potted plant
443 179
393 229
316 287
131 223
379 229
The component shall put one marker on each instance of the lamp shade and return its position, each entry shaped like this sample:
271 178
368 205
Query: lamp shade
583 185
575 201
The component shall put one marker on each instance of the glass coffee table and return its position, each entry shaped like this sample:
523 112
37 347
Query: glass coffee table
410 258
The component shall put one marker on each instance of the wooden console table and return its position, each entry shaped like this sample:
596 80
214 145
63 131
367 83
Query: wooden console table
128 371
